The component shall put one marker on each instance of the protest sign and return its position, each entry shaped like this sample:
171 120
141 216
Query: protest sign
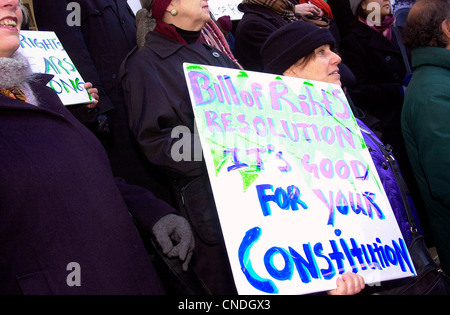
298 196
47 55
220 8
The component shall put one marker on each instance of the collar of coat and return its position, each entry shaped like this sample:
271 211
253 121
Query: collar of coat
39 81
376 39
165 47
433 56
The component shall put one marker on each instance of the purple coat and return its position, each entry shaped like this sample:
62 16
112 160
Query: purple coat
60 204
389 183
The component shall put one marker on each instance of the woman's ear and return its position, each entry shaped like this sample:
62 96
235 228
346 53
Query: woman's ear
446 31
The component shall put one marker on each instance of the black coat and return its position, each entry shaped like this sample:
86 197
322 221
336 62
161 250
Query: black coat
378 66
379 69
106 34
158 100
253 29
97 47
59 203
256 25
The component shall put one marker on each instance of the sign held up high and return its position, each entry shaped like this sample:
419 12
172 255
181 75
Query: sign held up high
47 55
220 8
298 196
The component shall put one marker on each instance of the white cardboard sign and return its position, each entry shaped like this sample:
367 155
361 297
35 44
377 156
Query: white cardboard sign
220 8
298 196
47 55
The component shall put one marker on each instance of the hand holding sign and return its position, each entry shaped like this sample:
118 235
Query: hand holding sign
93 92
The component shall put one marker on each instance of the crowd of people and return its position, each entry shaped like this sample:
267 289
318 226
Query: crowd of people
96 184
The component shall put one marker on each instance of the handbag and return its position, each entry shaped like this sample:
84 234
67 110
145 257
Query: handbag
430 279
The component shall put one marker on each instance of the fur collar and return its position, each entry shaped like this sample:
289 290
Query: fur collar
16 71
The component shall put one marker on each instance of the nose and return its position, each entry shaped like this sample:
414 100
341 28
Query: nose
9 3
336 58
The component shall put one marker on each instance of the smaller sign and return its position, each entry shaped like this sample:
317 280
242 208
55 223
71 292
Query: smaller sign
47 55
220 8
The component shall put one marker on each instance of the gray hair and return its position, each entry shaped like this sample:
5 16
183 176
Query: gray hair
147 4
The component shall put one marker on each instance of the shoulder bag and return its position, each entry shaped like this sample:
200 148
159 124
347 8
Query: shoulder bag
430 279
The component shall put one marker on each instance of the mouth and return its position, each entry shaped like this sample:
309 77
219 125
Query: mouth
9 22
335 73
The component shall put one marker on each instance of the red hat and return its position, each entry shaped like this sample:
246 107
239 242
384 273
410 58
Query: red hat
159 8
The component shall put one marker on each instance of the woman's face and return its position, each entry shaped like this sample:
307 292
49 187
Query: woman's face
192 14
10 22
323 66
382 6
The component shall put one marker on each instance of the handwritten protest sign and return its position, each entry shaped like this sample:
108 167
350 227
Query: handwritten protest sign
220 8
298 196
47 55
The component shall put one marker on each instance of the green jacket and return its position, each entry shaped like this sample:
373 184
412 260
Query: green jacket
426 129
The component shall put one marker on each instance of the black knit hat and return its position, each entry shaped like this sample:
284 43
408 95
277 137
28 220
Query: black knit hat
290 43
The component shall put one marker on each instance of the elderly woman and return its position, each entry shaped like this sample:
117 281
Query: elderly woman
65 224
159 107
305 51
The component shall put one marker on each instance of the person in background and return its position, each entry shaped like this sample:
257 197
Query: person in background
401 9
159 108
305 51
226 26
343 16
372 52
425 113
66 224
261 18
145 22
97 47
211 33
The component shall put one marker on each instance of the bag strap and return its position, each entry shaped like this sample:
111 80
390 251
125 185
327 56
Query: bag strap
387 153
398 37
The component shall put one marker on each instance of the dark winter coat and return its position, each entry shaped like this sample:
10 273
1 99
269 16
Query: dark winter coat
389 182
379 69
106 34
256 25
426 128
158 100
253 29
60 204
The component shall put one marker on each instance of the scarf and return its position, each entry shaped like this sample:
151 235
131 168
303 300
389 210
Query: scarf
384 28
15 75
213 36
284 8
